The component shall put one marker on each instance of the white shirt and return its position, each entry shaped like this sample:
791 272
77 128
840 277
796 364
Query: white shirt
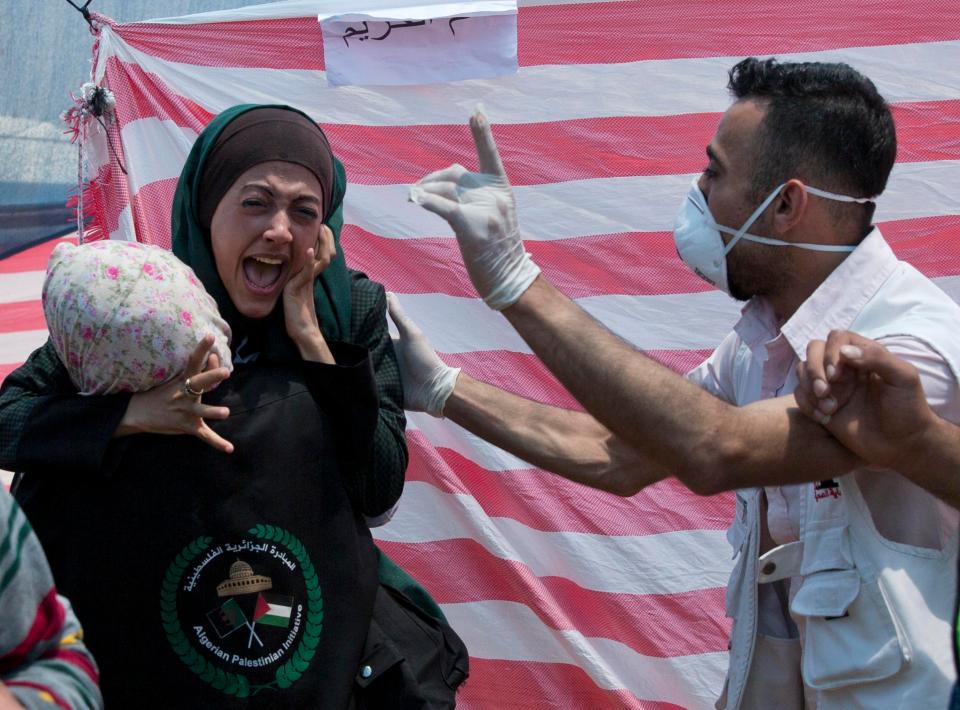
757 361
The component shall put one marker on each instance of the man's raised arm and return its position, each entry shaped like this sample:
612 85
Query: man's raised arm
578 447
708 444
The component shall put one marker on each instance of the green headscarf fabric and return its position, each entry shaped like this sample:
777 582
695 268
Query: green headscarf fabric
191 243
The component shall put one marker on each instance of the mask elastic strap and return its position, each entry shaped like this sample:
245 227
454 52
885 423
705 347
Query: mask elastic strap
799 245
750 220
837 198
742 232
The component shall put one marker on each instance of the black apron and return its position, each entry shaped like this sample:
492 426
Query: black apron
211 580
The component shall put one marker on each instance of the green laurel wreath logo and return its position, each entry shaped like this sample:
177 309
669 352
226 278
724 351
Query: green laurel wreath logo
234 683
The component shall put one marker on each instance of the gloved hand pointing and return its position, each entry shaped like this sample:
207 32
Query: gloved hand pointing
427 381
482 211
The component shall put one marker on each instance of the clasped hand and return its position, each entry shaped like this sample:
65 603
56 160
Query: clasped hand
871 400
482 211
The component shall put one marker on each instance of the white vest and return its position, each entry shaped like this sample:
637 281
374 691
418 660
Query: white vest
876 615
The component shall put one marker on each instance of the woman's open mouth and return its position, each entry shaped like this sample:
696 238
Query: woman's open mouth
262 273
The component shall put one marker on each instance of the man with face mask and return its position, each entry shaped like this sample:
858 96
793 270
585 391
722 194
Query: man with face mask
853 566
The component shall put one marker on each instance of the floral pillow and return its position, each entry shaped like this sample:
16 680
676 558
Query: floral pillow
124 317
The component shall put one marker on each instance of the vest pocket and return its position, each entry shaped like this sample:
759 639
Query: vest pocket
851 635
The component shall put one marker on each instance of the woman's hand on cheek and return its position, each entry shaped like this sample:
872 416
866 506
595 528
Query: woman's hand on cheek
299 309
171 409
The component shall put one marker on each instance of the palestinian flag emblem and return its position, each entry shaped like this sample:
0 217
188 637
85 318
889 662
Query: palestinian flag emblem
226 619
273 610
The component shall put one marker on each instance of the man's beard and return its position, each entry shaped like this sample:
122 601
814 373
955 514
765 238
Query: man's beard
738 291
749 265
748 275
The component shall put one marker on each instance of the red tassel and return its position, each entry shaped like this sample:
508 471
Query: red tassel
94 226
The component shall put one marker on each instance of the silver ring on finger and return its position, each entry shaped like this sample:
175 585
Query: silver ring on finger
189 391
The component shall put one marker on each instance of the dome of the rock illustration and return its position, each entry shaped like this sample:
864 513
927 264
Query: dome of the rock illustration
243 581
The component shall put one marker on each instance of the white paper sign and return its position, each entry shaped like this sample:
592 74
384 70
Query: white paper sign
422 44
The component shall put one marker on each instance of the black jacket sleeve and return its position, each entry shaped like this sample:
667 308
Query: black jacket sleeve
347 392
44 423
375 478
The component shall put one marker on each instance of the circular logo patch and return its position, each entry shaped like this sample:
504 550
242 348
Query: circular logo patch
245 615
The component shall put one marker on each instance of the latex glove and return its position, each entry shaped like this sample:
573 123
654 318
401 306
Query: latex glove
482 211
427 381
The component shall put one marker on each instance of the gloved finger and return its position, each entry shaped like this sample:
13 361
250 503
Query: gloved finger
405 326
443 188
487 152
453 173
448 209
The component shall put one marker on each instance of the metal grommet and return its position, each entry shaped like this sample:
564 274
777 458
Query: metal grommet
366 672
769 568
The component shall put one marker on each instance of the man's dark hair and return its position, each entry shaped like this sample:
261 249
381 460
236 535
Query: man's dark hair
825 123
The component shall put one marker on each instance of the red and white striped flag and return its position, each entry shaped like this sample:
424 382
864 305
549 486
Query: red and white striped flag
566 597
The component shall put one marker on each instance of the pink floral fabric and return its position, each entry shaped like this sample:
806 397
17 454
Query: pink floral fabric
124 317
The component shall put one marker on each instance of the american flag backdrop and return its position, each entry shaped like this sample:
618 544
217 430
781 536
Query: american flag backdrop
566 597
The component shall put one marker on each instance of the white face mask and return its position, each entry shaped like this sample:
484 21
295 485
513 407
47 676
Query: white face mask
697 234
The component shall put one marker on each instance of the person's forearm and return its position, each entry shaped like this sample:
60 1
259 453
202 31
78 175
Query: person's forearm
644 403
933 462
708 444
569 443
